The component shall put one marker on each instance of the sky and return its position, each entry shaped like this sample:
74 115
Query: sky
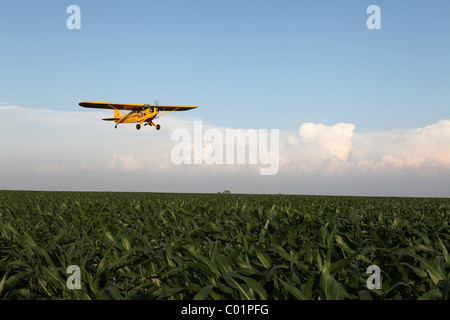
359 111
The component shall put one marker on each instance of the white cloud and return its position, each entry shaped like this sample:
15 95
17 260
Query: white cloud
337 149
317 148
125 163
78 143
328 141
421 148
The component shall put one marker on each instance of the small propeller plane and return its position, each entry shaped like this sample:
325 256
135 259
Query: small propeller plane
139 113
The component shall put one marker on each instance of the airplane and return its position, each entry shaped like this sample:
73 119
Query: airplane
139 113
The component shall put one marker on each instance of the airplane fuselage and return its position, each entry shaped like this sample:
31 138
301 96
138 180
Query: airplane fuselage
139 116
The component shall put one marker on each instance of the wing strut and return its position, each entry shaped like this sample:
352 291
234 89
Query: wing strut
167 112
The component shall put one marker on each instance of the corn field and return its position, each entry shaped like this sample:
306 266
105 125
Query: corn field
222 246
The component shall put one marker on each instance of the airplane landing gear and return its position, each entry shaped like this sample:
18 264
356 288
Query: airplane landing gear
157 126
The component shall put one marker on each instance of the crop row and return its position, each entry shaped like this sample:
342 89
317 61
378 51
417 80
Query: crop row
216 246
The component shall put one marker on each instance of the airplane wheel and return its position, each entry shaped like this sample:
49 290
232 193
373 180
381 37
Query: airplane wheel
158 127
138 126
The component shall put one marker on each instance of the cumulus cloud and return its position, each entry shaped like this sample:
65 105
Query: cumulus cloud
79 143
421 148
125 163
328 141
338 149
318 148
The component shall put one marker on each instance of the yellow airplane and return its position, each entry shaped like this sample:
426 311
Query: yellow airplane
139 113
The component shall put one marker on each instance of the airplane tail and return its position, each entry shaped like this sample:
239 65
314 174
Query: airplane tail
117 116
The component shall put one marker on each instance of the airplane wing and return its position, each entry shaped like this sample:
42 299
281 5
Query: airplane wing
129 106
110 105
174 108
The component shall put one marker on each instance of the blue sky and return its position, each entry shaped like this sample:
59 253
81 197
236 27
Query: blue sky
246 64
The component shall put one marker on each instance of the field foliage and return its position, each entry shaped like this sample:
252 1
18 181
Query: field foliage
222 246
